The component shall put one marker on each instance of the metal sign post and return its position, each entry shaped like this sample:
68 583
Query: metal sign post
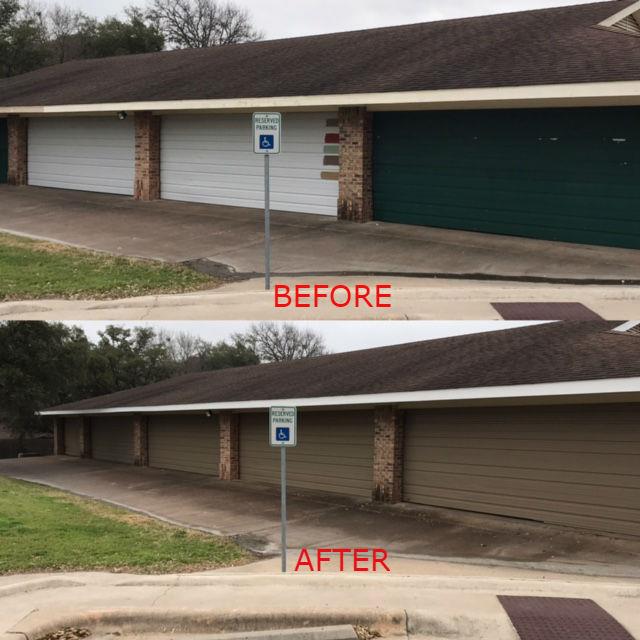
267 129
283 426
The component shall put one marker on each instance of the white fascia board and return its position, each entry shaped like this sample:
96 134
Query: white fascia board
621 15
550 390
513 95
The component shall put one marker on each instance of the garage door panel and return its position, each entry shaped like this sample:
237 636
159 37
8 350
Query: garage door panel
185 443
210 159
85 154
549 173
581 469
334 452
72 428
112 439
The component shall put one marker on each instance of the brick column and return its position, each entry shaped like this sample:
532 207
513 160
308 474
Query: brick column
388 454
18 132
141 441
58 436
355 200
85 438
229 446
147 135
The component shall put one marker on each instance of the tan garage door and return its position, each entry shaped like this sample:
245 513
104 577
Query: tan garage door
577 466
184 443
112 439
334 452
72 428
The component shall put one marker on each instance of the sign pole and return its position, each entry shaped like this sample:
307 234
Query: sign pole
283 505
267 225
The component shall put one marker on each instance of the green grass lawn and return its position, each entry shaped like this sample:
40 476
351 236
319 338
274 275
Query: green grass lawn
43 529
31 269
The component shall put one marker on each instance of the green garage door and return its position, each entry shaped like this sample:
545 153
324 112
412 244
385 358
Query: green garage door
4 151
555 174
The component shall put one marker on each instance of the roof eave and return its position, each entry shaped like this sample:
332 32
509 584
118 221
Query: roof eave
608 389
579 94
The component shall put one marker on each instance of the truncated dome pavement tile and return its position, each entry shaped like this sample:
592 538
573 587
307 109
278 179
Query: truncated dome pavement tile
544 311
561 619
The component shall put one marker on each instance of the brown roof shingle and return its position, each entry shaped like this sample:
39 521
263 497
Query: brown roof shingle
547 46
555 352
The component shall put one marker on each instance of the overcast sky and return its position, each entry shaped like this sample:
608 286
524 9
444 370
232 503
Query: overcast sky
339 336
283 18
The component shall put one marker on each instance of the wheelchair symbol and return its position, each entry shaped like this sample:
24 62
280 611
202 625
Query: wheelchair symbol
267 142
283 434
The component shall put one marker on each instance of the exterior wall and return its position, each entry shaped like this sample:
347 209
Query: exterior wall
355 200
188 443
334 452
388 454
58 436
229 446
147 140
141 441
210 159
568 465
112 439
72 429
83 153
85 438
18 129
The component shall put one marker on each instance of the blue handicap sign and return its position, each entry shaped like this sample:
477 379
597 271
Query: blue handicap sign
283 434
267 142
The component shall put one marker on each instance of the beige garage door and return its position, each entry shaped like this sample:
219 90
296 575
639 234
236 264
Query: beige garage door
184 443
577 466
72 428
334 452
112 439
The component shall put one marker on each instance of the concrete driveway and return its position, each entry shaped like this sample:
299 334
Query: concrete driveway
251 514
302 244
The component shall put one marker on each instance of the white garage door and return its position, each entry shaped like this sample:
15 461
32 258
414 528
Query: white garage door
210 159
86 154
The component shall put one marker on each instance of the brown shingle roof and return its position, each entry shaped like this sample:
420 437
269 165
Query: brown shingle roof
556 352
548 46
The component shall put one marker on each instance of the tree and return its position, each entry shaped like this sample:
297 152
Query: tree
64 26
273 342
226 356
42 365
199 24
23 39
125 358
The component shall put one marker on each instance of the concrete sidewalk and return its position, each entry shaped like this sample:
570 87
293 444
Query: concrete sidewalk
180 232
399 606
251 515
412 299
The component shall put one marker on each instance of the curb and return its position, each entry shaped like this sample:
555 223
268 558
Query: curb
148 620
38 585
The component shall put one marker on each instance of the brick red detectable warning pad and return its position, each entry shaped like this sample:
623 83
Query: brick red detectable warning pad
561 619
544 311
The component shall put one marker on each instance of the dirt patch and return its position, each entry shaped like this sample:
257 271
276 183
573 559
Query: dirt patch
68 633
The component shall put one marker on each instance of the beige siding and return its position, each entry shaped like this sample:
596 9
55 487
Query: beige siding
184 443
72 428
577 466
112 439
334 452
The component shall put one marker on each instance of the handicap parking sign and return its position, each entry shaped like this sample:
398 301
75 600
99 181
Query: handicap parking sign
283 426
267 142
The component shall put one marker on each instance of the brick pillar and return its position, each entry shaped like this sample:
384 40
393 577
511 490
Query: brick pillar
85 438
18 132
229 446
58 436
147 134
141 441
355 200
388 454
